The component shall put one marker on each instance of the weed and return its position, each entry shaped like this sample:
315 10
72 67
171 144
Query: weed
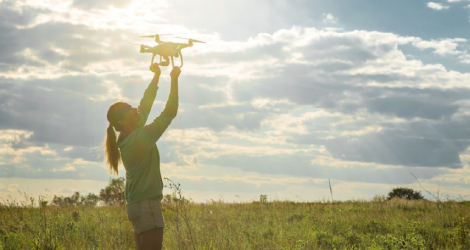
376 224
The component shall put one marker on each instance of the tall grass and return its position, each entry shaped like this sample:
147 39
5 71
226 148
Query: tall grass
360 224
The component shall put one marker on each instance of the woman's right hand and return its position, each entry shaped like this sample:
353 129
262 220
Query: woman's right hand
155 69
175 72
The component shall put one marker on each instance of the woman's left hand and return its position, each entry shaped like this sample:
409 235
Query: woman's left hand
155 69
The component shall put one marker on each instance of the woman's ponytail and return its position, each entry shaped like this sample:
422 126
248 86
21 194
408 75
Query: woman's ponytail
112 153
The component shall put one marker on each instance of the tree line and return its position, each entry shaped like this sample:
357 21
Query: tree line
111 195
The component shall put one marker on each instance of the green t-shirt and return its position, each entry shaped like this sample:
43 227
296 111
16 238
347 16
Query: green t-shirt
139 152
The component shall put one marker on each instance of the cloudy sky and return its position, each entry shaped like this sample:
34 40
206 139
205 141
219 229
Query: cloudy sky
285 95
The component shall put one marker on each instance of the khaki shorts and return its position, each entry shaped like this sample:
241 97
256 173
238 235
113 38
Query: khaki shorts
145 215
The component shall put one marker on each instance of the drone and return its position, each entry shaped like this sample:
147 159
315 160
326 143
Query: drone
166 50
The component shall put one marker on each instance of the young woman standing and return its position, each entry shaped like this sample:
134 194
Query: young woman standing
137 150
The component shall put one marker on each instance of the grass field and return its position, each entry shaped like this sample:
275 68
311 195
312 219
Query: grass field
374 224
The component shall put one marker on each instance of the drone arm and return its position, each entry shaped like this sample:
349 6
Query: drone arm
181 46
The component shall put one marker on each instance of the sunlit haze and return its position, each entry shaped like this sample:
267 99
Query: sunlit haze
282 97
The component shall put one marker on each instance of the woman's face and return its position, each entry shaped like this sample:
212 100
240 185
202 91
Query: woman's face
131 116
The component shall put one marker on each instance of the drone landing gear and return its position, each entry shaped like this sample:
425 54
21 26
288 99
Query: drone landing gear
177 55
167 60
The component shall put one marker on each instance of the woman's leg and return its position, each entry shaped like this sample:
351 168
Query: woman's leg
138 246
152 239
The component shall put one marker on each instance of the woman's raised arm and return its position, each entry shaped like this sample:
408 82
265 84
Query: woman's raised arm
154 130
149 96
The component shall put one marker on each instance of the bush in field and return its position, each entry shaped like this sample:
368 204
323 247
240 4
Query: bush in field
263 198
405 193
113 194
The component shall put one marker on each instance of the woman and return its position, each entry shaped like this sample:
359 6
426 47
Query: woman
136 147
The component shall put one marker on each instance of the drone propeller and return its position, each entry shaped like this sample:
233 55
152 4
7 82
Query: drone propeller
194 41
145 46
153 36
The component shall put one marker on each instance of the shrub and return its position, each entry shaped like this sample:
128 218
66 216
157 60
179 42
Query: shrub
405 193
113 194
263 198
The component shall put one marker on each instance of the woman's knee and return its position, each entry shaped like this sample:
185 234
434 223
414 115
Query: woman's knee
152 239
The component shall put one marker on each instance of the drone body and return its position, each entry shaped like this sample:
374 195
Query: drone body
166 50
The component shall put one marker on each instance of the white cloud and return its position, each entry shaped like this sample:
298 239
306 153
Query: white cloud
437 6
442 47
14 136
13 187
446 47
354 58
68 167
329 18
283 95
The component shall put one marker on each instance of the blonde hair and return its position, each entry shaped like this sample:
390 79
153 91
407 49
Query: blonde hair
112 153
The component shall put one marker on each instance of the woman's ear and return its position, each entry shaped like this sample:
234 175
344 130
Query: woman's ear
122 122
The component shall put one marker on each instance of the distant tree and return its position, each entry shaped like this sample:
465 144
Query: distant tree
73 200
263 198
405 193
90 200
113 194
58 201
76 199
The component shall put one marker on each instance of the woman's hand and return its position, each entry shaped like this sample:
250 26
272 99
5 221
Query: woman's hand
155 69
175 72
